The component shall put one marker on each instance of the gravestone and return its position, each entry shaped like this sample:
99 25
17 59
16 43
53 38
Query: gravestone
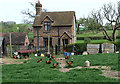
107 48
93 48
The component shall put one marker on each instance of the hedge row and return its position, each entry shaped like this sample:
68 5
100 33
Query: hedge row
76 47
95 38
81 47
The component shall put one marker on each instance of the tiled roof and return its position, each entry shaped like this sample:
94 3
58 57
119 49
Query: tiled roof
59 18
16 38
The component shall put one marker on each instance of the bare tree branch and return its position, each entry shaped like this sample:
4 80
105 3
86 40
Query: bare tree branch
110 13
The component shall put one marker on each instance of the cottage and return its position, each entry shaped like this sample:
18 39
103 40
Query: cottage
60 26
19 40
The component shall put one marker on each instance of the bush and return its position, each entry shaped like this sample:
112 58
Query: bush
77 47
87 40
81 47
117 44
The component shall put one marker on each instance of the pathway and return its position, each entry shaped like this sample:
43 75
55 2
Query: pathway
106 70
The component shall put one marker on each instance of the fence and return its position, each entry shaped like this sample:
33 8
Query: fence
44 49
55 49
15 48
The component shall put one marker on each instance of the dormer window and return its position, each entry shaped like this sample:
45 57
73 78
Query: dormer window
47 26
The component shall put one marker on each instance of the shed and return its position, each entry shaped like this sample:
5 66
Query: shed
19 41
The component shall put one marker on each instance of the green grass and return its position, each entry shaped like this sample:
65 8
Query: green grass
98 60
42 72
100 34
97 41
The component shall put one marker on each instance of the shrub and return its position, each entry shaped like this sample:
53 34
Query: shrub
77 47
117 44
81 47
87 40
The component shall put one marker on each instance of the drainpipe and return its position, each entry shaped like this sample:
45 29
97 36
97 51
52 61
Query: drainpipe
37 39
58 39
48 44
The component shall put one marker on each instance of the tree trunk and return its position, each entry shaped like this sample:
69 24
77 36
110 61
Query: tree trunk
113 34
78 28
106 35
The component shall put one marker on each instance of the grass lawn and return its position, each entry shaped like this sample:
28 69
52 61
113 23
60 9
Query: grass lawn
97 41
100 34
42 72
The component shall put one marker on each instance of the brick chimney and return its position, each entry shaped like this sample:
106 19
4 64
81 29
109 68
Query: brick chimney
38 8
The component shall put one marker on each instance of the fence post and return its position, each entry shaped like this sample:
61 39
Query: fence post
55 49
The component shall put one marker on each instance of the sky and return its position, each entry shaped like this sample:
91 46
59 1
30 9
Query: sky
10 10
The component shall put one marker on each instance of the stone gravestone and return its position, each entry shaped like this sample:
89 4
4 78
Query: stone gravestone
107 48
93 48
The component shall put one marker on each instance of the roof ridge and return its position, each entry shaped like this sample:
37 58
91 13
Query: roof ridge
58 12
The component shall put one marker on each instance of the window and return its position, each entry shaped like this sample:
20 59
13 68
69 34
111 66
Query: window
47 26
46 41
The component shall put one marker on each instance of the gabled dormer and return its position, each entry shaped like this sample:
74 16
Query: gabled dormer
47 22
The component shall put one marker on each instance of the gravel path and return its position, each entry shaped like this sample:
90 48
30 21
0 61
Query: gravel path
9 60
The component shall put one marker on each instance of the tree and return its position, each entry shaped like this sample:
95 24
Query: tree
119 10
5 27
80 22
110 14
89 23
29 14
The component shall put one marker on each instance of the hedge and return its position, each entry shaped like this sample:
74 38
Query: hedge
81 47
77 47
95 38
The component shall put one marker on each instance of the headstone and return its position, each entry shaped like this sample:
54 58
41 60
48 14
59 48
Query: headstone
107 48
93 48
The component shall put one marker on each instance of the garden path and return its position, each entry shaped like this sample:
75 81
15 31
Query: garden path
9 60
106 70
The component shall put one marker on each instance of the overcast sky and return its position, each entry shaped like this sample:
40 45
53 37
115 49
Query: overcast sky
10 10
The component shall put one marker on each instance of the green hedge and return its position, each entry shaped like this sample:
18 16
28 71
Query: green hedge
81 47
95 38
76 47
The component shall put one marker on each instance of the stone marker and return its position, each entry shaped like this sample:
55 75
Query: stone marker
87 63
85 53
93 48
107 48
